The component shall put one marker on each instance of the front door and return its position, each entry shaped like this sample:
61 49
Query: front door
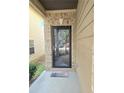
61 46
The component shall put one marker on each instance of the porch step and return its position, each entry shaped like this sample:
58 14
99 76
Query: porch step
61 69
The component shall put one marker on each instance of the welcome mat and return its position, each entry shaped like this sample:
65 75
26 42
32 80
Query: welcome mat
60 74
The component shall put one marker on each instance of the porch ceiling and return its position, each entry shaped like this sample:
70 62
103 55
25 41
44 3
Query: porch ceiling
59 4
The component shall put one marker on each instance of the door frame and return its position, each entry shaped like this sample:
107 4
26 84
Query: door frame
52 42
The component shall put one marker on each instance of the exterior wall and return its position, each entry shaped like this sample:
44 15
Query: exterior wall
36 33
53 17
83 44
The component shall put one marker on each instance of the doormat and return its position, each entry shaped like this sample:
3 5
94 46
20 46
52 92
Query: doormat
60 74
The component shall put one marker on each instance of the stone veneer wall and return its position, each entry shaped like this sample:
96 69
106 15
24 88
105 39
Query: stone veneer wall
52 19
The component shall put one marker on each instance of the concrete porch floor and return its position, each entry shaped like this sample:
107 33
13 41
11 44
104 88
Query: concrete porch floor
47 84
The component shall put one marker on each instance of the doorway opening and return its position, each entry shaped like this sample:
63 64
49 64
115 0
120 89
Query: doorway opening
61 46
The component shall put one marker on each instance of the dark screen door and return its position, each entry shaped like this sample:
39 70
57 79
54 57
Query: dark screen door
61 46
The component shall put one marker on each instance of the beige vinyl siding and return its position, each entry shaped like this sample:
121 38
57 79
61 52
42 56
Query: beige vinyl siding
83 44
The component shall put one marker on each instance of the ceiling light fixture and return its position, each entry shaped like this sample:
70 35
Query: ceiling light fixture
60 20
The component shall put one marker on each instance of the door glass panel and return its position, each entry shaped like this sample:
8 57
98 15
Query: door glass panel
61 47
